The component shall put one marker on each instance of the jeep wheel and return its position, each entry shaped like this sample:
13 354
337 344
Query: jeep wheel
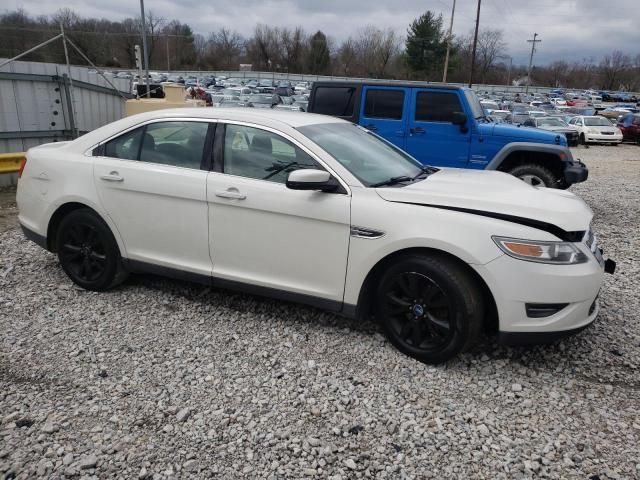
535 175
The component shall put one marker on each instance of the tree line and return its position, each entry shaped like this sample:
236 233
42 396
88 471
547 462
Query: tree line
370 52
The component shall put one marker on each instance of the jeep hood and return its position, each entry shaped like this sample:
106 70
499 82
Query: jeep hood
519 134
494 192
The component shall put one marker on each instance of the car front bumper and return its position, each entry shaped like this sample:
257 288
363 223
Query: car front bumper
515 284
600 138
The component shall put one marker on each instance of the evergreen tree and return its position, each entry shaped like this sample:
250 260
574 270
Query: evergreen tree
319 58
426 46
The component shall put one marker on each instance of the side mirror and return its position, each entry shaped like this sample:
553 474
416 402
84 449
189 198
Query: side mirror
311 179
458 118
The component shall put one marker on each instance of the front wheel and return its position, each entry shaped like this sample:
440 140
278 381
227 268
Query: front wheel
535 175
429 307
87 251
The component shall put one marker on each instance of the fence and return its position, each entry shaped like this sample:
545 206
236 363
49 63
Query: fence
36 103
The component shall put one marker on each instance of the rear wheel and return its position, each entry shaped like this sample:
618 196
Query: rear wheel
429 307
583 140
536 175
87 251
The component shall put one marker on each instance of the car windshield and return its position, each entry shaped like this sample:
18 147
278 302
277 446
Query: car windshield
551 122
371 159
596 122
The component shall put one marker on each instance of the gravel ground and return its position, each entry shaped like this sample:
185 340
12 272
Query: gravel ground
162 379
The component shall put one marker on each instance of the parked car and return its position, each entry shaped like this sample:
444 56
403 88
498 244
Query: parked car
261 100
629 125
614 112
314 209
556 125
446 126
596 129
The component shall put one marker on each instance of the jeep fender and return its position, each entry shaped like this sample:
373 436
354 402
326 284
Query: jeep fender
563 153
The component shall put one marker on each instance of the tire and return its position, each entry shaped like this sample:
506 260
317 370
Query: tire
429 307
536 175
87 251
583 140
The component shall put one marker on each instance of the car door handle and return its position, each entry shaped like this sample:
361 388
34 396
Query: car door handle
231 193
112 177
371 127
417 131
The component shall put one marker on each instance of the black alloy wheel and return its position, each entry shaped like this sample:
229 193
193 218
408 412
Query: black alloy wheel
419 312
429 306
87 251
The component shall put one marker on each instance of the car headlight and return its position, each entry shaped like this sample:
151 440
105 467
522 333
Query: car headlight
559 253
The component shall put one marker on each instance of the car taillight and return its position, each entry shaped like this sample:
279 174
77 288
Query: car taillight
23 163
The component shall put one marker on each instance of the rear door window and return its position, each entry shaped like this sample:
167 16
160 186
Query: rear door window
437 106
384 104
335 101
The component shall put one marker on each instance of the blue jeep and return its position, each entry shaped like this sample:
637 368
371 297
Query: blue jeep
445 125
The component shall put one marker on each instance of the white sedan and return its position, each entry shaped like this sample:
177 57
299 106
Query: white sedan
596 129
314 209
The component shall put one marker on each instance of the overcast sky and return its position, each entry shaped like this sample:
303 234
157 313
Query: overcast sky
572 30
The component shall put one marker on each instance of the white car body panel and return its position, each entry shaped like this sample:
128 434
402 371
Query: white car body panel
301 242
156 209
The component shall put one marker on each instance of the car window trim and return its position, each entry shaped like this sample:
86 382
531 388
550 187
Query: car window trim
323 164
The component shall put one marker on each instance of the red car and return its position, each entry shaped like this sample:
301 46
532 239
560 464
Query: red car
629 124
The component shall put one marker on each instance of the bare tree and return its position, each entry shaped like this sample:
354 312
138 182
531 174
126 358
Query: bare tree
374 50
224 48
611 68
263 48
346 57
293 44
490 46
154 25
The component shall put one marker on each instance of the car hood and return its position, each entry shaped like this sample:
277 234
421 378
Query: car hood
494 192
604 128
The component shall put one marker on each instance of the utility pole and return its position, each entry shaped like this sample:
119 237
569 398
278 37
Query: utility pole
475 43
167 44
446 58
144 47
533 49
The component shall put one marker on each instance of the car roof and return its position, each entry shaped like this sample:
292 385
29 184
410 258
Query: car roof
279 119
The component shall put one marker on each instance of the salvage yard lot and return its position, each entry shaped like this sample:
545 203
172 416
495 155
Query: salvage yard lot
163 379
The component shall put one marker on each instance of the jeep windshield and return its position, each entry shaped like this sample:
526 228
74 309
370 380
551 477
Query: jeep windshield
474 104
370 158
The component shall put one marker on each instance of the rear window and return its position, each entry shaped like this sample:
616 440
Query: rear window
437 106
335 101
384 104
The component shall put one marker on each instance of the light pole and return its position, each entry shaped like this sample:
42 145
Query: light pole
145 52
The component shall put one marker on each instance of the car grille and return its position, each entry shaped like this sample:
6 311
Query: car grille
606 133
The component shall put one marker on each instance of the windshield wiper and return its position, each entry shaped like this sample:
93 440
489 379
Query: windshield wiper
425 170
392 181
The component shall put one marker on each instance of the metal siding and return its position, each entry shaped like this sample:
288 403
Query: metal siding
29 105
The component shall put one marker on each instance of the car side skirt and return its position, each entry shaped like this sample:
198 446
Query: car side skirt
135 266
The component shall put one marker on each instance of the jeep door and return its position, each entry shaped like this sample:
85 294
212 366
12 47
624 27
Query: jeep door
382 110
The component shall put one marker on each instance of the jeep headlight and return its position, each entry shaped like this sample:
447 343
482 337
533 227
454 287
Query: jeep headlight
559 253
